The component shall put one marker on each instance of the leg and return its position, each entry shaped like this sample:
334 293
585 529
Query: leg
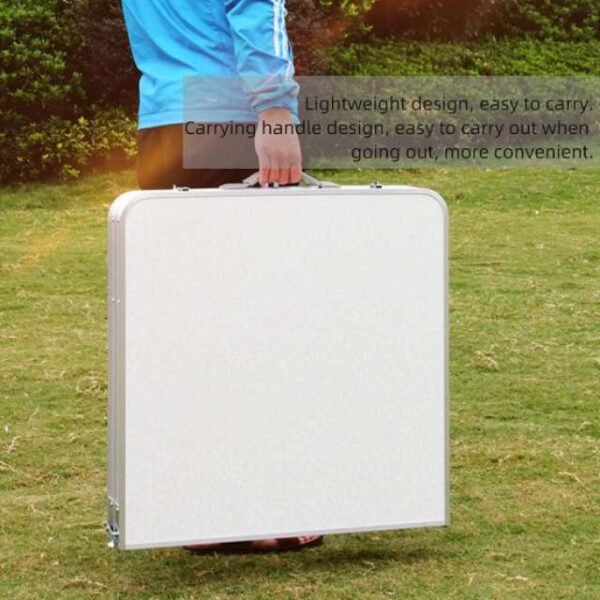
160 162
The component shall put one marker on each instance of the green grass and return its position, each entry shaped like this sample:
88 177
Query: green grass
525 353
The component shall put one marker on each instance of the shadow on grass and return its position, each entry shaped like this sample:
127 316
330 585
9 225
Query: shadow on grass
352 557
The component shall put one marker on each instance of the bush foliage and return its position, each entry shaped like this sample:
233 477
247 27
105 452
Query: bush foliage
56 116
493 58
315 25
68 86
565 20
109 77
575 20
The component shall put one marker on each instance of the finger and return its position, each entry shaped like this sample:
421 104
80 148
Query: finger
284 176
263 167
295 174
274 172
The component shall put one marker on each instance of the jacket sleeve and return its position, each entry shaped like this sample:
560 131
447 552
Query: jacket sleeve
263 53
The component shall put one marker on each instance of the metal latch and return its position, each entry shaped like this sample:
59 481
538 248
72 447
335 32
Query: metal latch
112 525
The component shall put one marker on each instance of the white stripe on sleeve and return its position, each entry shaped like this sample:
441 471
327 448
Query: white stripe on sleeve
276 28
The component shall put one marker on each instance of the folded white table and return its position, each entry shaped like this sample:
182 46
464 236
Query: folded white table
277 363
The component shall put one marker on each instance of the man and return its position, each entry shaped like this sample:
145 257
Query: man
244 45
176 41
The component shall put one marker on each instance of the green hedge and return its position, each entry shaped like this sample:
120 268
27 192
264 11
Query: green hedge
572 20
314 25
510 57
35 76
562 20
50 125
68 87
63 148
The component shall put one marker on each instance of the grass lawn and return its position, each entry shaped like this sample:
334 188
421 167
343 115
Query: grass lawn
525 350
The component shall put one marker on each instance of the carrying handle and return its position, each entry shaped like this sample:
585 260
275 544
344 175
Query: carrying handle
255 178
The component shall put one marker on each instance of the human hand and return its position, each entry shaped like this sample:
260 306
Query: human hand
277 148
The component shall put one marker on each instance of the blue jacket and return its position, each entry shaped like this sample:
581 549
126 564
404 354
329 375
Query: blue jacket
210 60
